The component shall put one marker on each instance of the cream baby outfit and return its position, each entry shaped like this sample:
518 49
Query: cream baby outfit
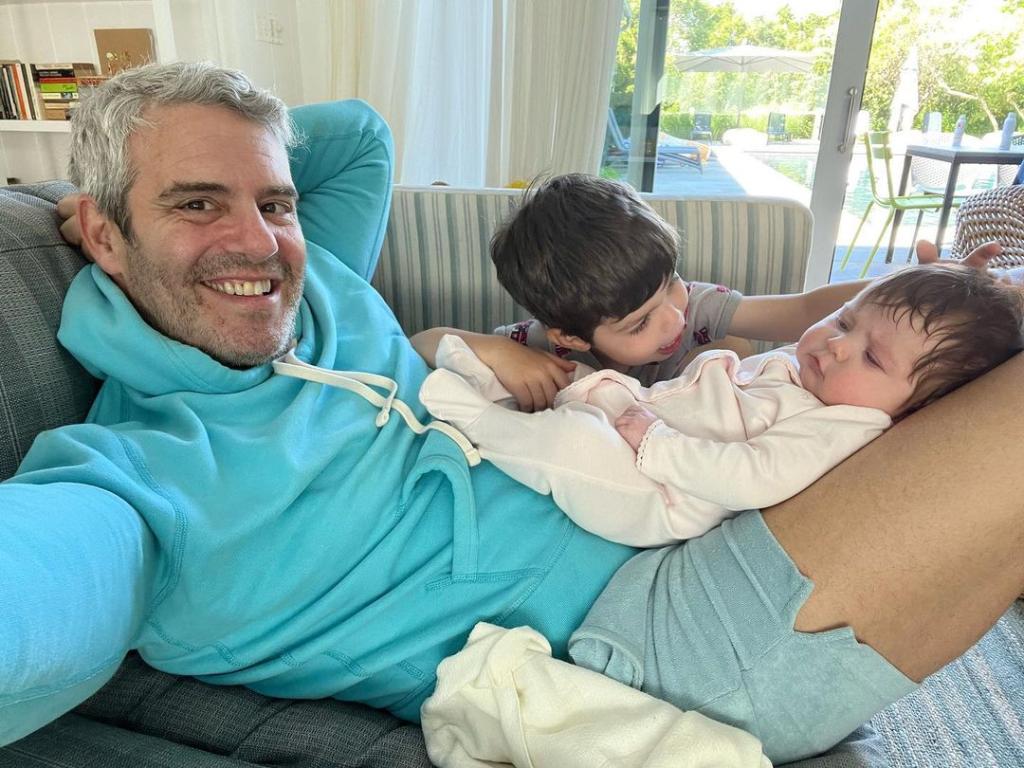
731 435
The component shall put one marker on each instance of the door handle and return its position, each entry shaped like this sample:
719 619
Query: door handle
848 127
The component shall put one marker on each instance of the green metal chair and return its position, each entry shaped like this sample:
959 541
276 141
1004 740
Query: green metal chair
883 193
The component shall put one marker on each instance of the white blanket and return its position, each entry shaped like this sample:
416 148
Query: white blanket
503 700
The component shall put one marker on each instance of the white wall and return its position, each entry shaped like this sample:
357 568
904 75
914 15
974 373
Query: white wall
276 67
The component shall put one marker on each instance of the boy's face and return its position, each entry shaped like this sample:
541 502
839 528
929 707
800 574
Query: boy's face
860 355
651 333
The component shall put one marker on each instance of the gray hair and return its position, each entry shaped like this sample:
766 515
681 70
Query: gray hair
101 126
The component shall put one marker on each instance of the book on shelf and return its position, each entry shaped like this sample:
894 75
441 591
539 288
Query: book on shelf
58 87
52 87
47 91
17 94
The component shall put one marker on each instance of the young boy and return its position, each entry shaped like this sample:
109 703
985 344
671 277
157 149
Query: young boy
650 466
595 266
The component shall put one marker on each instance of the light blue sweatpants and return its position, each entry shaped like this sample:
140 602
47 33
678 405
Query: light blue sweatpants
708 625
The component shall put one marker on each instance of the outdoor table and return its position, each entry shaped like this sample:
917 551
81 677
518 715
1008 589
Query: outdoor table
955 156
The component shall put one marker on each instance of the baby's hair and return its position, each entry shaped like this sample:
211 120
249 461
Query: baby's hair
580 250
974 320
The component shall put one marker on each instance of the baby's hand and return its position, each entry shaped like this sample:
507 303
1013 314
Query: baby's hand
633 424
532 377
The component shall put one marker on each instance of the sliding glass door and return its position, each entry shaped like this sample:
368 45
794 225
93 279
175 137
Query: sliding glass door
742 97
838 138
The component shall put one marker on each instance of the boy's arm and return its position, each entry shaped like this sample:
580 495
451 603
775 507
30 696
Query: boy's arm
426 342
532 376
785 317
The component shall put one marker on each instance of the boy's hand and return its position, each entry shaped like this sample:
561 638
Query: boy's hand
633 425
532 376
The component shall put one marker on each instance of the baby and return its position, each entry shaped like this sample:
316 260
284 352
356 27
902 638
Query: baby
651 465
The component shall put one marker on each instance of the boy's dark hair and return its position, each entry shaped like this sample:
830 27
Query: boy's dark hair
975 320
580 250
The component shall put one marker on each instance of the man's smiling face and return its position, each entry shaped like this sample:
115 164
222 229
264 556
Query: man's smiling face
216 257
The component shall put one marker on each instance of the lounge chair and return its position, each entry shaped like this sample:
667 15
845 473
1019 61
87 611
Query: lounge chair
777 127
701 126
672 151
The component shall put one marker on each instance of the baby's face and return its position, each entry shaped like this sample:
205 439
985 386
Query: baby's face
860 355
651 333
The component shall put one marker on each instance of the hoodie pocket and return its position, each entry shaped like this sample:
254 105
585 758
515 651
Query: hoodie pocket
441 455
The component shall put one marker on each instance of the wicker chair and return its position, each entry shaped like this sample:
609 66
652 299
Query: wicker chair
995 214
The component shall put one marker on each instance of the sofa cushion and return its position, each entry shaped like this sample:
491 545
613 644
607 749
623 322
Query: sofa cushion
435 266
41 385
240 724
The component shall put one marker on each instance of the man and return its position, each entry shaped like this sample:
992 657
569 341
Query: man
306 540
229 522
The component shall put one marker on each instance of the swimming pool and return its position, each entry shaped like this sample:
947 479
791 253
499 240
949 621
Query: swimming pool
800 168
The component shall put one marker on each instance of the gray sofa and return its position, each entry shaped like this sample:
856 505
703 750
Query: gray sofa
144 718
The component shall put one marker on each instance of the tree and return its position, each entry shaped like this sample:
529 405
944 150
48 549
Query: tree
979 75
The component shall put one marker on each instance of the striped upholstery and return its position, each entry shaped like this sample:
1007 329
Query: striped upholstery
41 386
435 268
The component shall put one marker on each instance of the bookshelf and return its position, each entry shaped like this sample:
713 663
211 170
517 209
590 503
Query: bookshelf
222 31
34 126
62 30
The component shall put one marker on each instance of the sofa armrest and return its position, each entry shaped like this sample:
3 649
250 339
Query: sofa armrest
41 385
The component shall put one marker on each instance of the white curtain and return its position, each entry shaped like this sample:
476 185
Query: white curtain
481 92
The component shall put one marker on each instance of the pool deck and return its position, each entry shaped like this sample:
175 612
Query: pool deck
730 171
733 171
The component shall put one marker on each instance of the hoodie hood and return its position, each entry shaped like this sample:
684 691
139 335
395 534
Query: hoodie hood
107 335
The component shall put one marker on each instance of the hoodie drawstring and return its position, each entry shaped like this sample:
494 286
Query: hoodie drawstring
356 381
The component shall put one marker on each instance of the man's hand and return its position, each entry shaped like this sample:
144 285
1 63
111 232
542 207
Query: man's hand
532 376
928 253
67 209
979 258
633 425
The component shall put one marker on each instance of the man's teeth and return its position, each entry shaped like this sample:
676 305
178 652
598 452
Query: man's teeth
242 287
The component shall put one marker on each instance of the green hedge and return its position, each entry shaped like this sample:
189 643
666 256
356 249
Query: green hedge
681 124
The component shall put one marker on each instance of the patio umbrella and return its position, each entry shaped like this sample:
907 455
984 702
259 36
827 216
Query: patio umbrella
745 58
905 101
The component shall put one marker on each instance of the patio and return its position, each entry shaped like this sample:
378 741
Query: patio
733 171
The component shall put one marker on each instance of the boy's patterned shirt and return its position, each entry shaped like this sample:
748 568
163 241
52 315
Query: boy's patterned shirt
708 316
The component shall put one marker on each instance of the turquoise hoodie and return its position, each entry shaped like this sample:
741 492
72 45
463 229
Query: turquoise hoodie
252 528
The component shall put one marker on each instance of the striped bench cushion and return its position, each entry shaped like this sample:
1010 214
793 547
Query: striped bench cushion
435 268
